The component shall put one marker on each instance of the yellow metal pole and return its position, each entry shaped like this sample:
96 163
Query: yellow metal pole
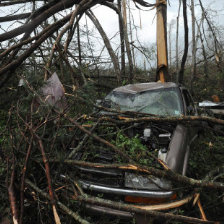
162 61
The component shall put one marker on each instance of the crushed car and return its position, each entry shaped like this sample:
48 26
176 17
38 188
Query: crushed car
170 141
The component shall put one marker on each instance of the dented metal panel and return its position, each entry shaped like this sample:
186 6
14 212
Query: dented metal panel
142 87
177 149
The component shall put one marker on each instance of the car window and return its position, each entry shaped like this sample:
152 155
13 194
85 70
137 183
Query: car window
159 102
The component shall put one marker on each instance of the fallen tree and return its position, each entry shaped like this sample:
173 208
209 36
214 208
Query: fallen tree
60 136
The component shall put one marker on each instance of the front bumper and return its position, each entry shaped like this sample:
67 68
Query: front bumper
125 192
135 193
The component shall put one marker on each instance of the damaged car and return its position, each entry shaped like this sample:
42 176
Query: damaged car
170 141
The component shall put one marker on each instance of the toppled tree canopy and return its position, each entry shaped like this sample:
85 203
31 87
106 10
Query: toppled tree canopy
36 30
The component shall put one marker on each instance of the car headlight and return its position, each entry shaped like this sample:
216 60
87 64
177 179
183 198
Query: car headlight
148 183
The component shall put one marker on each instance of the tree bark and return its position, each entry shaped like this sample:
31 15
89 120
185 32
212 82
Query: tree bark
117 150
140 210
193 62
177 41
62 206
118 10
14 17
184 58
127 44
121 28
167 174
131 34
79 45
218 53
8 69
37 20
203 49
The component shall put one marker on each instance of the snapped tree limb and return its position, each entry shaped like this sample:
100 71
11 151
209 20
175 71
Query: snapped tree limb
169 174
86 199
68 211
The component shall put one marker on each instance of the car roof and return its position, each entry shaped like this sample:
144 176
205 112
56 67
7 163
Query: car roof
142 87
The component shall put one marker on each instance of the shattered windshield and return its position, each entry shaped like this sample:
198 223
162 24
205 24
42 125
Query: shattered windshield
159 102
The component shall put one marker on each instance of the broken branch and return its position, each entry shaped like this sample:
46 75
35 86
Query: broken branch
119 151
62 206
169 174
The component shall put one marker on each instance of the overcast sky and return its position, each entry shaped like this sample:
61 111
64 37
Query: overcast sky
109 22
108 17
146 34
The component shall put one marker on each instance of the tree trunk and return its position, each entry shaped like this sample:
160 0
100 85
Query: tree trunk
177 41
193 62
170 45
107 44
131 34
184 58
127 44
121 28
218 54
203 48
79 45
